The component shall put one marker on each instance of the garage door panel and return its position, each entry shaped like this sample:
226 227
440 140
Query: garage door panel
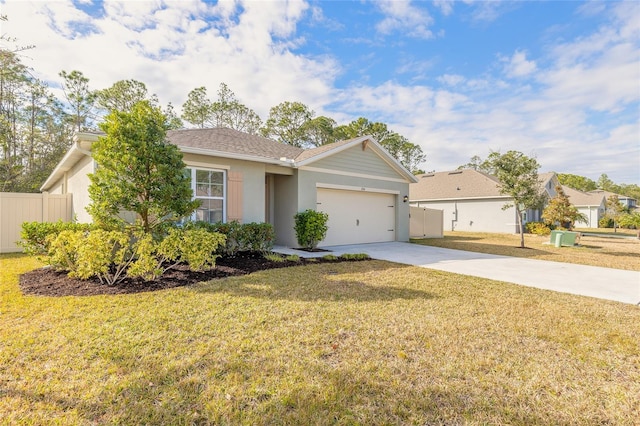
357 217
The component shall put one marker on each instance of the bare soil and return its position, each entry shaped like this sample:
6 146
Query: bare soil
49 282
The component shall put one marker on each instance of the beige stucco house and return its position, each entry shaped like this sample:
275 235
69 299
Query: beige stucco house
471 200
248 178
591 204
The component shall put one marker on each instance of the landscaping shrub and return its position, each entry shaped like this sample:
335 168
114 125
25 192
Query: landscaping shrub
538 228
35 234
240 237
630 220
355 256
311 227
114 255
195 247
105 254
605 222
63 249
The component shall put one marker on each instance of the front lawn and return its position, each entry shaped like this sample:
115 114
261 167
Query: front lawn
350 343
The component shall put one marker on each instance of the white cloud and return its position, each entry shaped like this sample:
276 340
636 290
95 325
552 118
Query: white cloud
518 65
175 48
404 17
451 79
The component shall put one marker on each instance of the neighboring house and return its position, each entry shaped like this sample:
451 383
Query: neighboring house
590 204
249 178
471 200
628 202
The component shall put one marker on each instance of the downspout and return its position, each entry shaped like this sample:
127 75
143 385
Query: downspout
455 216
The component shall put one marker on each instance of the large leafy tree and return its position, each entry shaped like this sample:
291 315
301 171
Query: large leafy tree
229 112
560 211
518 176
138 170
288 123
362 127
81 100
320 131
580 183
408 154
198 108
34 130
122 95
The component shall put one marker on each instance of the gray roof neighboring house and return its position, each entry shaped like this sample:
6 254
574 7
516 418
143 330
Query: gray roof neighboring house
457 184
583 199
466 184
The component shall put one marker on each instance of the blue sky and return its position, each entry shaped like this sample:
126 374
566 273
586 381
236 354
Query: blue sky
558 80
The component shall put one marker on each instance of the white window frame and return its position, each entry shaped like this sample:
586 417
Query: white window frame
193 170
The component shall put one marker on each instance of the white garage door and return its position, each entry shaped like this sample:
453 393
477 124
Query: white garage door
357 217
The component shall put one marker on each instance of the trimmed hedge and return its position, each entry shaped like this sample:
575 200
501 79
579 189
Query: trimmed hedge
240 237
35 235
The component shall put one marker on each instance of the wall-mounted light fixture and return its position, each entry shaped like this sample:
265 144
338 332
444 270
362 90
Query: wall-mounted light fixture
405 198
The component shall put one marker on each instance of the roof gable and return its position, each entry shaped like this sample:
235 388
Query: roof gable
355 154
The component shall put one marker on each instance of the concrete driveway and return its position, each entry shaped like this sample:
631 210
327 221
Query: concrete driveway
603 283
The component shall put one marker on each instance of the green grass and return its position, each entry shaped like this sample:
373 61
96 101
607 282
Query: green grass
335 343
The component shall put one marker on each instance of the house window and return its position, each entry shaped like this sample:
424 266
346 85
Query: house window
209 186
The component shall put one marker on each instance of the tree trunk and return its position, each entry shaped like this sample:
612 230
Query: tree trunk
519 216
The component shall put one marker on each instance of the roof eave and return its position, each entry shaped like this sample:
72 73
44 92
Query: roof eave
236 156
81 146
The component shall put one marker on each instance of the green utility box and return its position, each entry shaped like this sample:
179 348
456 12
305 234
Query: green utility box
565 238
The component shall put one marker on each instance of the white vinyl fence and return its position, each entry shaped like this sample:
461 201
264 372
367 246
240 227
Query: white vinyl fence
17 208
426 223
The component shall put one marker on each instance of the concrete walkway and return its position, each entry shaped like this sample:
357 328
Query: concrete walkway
603 283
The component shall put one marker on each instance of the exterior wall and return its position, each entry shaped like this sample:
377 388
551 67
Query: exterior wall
77 183
593 214
426 223
252 176
18 208
356 161
309 181
475 215
285 206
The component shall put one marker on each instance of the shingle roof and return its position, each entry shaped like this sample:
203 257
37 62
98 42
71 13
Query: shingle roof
580 199
456 184
608 194
231 141
313 152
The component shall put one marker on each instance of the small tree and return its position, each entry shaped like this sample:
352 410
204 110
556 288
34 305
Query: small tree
518 176
615 209
311 228
561 211
138 170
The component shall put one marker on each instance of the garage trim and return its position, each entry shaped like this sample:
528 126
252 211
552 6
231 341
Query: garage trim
356 188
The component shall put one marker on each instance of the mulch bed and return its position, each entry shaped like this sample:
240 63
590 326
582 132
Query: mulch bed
49 282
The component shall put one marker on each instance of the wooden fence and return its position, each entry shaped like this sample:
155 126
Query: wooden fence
17 208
